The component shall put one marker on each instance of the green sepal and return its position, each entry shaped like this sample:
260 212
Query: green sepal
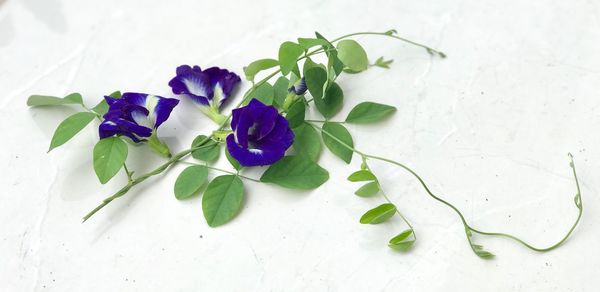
158 146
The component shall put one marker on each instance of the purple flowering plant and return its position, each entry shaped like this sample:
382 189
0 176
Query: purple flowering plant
267 129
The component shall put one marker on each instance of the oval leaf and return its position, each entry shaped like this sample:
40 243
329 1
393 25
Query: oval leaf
102 107
334 64
208 153
69 127
369 112
352 55
340 133
484 254
368 189
263 92
236 164
378 214
295 172
44 100
189 181
288 56
308 43
280 91
109 156
296 113
222 199
401 242
307 141
362 175
332 102
259 65
479 251
315 79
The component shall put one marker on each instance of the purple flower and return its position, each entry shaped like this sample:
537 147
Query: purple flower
299 87
209 88
135 115
261 135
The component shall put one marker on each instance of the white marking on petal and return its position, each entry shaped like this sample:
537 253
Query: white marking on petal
256 151
151 103
195 88
141 119
217 97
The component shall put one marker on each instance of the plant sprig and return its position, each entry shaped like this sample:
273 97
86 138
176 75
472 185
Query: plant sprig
299 170
477 249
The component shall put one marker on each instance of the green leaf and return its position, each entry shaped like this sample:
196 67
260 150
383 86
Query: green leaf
391 32
378 214
369 112
44 100
308 64
295 172
479 251
352 55
332 102
368 189
109 156
401 242
350 71
380 62
308 43
236 164
69 128
222 199
208 153
264 93
402 236
115 94
259 65
362 175
289 53
340 133
484 254
280 91
315 79
577 200
102 107
295 114
334 62
189 181
307 141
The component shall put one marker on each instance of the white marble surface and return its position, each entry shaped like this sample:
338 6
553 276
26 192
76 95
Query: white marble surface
489 128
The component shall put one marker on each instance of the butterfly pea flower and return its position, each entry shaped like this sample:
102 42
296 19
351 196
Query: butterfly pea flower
299 87
295 91
209 89
137 116
260 135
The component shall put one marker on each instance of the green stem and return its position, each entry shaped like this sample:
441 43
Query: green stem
579 205
137 180
468 228
128 173
323 121
178 156
385 196
429 49
223 170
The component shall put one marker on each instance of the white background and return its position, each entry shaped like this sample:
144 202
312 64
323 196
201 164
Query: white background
489 128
